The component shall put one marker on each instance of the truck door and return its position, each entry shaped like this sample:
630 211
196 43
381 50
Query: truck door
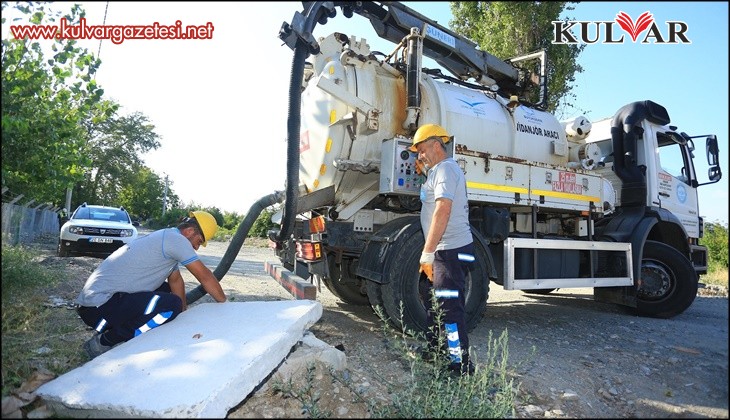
675 186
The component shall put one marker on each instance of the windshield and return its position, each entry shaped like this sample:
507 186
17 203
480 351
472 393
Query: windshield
112 215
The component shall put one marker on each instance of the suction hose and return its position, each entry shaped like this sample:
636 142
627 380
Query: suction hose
303 44
292 149
237 242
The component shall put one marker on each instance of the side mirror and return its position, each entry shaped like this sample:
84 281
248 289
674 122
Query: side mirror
714 173
713 160
712 150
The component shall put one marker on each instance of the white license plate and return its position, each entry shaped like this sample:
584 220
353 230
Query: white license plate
101 240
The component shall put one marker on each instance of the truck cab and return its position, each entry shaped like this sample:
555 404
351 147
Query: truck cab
667 159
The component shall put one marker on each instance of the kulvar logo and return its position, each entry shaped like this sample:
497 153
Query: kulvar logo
605 32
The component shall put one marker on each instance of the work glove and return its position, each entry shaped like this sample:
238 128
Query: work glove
426 262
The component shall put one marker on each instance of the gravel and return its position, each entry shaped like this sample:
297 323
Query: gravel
571 356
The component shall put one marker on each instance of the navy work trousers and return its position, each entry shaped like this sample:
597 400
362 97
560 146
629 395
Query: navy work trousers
126 315
450 269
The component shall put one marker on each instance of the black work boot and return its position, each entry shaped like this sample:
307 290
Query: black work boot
463 368
94 347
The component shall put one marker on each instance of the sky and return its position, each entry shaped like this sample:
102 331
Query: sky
220 104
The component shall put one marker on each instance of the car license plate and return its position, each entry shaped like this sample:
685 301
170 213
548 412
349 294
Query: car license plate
101 240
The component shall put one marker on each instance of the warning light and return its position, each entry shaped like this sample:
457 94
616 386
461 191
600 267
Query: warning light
309 251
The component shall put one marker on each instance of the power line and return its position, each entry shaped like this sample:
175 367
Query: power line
106 9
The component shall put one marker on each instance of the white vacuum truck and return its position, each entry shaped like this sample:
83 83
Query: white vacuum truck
610 205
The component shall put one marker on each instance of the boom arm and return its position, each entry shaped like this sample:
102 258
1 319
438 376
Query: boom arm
393 21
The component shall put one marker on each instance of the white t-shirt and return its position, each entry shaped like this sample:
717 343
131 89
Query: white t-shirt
139 266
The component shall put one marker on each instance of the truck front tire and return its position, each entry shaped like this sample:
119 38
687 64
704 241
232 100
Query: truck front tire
667 282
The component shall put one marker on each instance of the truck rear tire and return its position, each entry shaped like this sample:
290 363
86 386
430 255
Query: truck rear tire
375 295
404 283
667 282
343 282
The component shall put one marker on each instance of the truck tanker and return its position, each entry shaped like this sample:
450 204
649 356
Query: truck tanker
610 205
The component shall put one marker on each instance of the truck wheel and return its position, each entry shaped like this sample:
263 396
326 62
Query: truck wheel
375 294
343 282
62 250
404 283
668 282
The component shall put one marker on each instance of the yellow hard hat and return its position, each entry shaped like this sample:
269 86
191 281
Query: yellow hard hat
207 224
427 131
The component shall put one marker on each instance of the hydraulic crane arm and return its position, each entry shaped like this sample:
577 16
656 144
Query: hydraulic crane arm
393 21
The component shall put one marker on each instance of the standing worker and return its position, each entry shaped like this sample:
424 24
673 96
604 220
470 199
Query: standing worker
127 294
449 246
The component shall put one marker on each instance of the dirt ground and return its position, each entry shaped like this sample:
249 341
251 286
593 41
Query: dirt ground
571 357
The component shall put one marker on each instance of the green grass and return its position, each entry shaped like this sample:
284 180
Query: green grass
428 390
35 335
21 273
717 277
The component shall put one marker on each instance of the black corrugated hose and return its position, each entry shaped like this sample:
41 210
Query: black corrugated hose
237 242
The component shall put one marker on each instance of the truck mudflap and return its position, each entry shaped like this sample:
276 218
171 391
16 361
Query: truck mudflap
375 257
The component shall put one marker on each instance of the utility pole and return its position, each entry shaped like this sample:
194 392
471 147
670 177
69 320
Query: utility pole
68 201
164 197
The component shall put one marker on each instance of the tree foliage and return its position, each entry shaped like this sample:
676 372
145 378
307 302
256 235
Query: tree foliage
510 29
141 195
716 241
263 223
59 132
114 148
44 102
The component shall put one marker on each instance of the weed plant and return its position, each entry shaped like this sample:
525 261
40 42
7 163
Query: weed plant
432 391
307 393
34 335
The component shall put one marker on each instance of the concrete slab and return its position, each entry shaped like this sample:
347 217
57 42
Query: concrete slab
200 365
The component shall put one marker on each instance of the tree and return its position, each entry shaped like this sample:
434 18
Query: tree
58 132
43 104
231 220
143 193
263 223
716 240
114 148
510 29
